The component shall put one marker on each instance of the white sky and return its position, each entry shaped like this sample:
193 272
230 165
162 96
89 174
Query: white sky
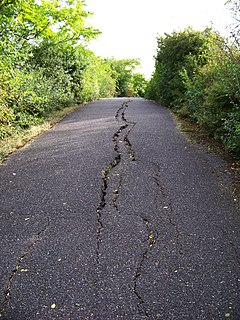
130 27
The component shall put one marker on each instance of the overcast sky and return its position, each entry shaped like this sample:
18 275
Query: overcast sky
130 27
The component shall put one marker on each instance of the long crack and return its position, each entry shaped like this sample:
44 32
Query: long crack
116 139
116 192
29 249
234 249
102 204
153 236
151 240
168 206
120 116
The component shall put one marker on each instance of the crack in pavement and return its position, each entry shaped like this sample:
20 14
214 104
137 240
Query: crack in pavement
116 139
29 249
102 204
151 240
168 206
116 192
120 116
234 248
153 236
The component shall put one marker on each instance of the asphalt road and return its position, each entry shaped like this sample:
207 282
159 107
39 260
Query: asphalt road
113 214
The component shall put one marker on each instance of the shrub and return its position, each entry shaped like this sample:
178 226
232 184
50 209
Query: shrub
197 74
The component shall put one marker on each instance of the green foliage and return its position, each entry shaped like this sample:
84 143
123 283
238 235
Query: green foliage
97 81
45 64
213 96
30 32
177 52
55 21
122 72
139 84
201 82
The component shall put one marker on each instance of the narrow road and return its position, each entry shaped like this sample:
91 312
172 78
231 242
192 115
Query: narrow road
113 214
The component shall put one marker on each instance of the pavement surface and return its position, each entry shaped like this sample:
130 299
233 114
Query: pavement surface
113 214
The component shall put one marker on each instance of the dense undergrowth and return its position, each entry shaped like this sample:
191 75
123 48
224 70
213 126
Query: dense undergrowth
45 64
197 75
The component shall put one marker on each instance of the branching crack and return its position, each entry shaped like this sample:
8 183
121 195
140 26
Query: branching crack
116 139
28 250
120 116
151 239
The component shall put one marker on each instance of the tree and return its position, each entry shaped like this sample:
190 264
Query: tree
177 52
55 21
122 72
139 84
42 56
234 6
45 64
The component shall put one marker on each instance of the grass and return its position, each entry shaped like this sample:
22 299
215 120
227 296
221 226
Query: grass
21 137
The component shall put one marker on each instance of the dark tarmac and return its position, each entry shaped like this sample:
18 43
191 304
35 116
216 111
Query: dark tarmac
113 214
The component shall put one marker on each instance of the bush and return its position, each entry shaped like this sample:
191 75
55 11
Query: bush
201 82
213 97
176 53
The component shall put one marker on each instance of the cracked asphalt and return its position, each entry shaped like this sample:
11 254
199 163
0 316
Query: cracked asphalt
113 214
